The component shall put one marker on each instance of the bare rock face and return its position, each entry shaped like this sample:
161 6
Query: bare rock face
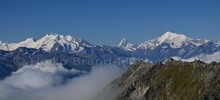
174 80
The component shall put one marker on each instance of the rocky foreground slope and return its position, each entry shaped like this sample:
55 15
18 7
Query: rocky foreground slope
174 80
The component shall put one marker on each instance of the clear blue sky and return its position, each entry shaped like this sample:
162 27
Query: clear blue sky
107 21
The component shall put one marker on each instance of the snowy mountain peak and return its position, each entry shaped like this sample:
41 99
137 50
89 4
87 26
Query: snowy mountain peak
173 39
126 45
176 40
169 36
29 40
56 41
52 34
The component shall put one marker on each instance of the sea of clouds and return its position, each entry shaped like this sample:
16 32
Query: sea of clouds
208 58
46 81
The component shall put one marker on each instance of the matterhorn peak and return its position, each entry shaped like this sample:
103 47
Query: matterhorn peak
126 45
123 42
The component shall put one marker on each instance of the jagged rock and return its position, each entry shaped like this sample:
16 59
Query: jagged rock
174 80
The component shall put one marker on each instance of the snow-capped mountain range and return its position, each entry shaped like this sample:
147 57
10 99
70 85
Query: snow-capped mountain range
50 42
55 42
168 45
60 47
174 40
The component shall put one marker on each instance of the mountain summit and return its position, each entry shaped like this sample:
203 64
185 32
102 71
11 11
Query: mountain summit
176 40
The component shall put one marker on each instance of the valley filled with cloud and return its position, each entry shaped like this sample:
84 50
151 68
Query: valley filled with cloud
49 81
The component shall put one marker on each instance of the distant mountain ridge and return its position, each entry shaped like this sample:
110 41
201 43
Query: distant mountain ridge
55 42
50 42
66 48
168 45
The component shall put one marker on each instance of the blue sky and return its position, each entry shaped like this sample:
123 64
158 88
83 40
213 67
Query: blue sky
108 21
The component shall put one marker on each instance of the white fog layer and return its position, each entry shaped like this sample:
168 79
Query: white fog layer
208 58
43 81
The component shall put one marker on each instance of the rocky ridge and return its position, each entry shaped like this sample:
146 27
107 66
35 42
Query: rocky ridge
174 80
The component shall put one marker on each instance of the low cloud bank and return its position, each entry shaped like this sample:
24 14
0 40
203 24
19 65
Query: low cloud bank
208 58
45 81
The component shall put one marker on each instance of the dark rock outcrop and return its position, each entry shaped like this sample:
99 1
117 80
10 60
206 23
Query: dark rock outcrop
174 80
